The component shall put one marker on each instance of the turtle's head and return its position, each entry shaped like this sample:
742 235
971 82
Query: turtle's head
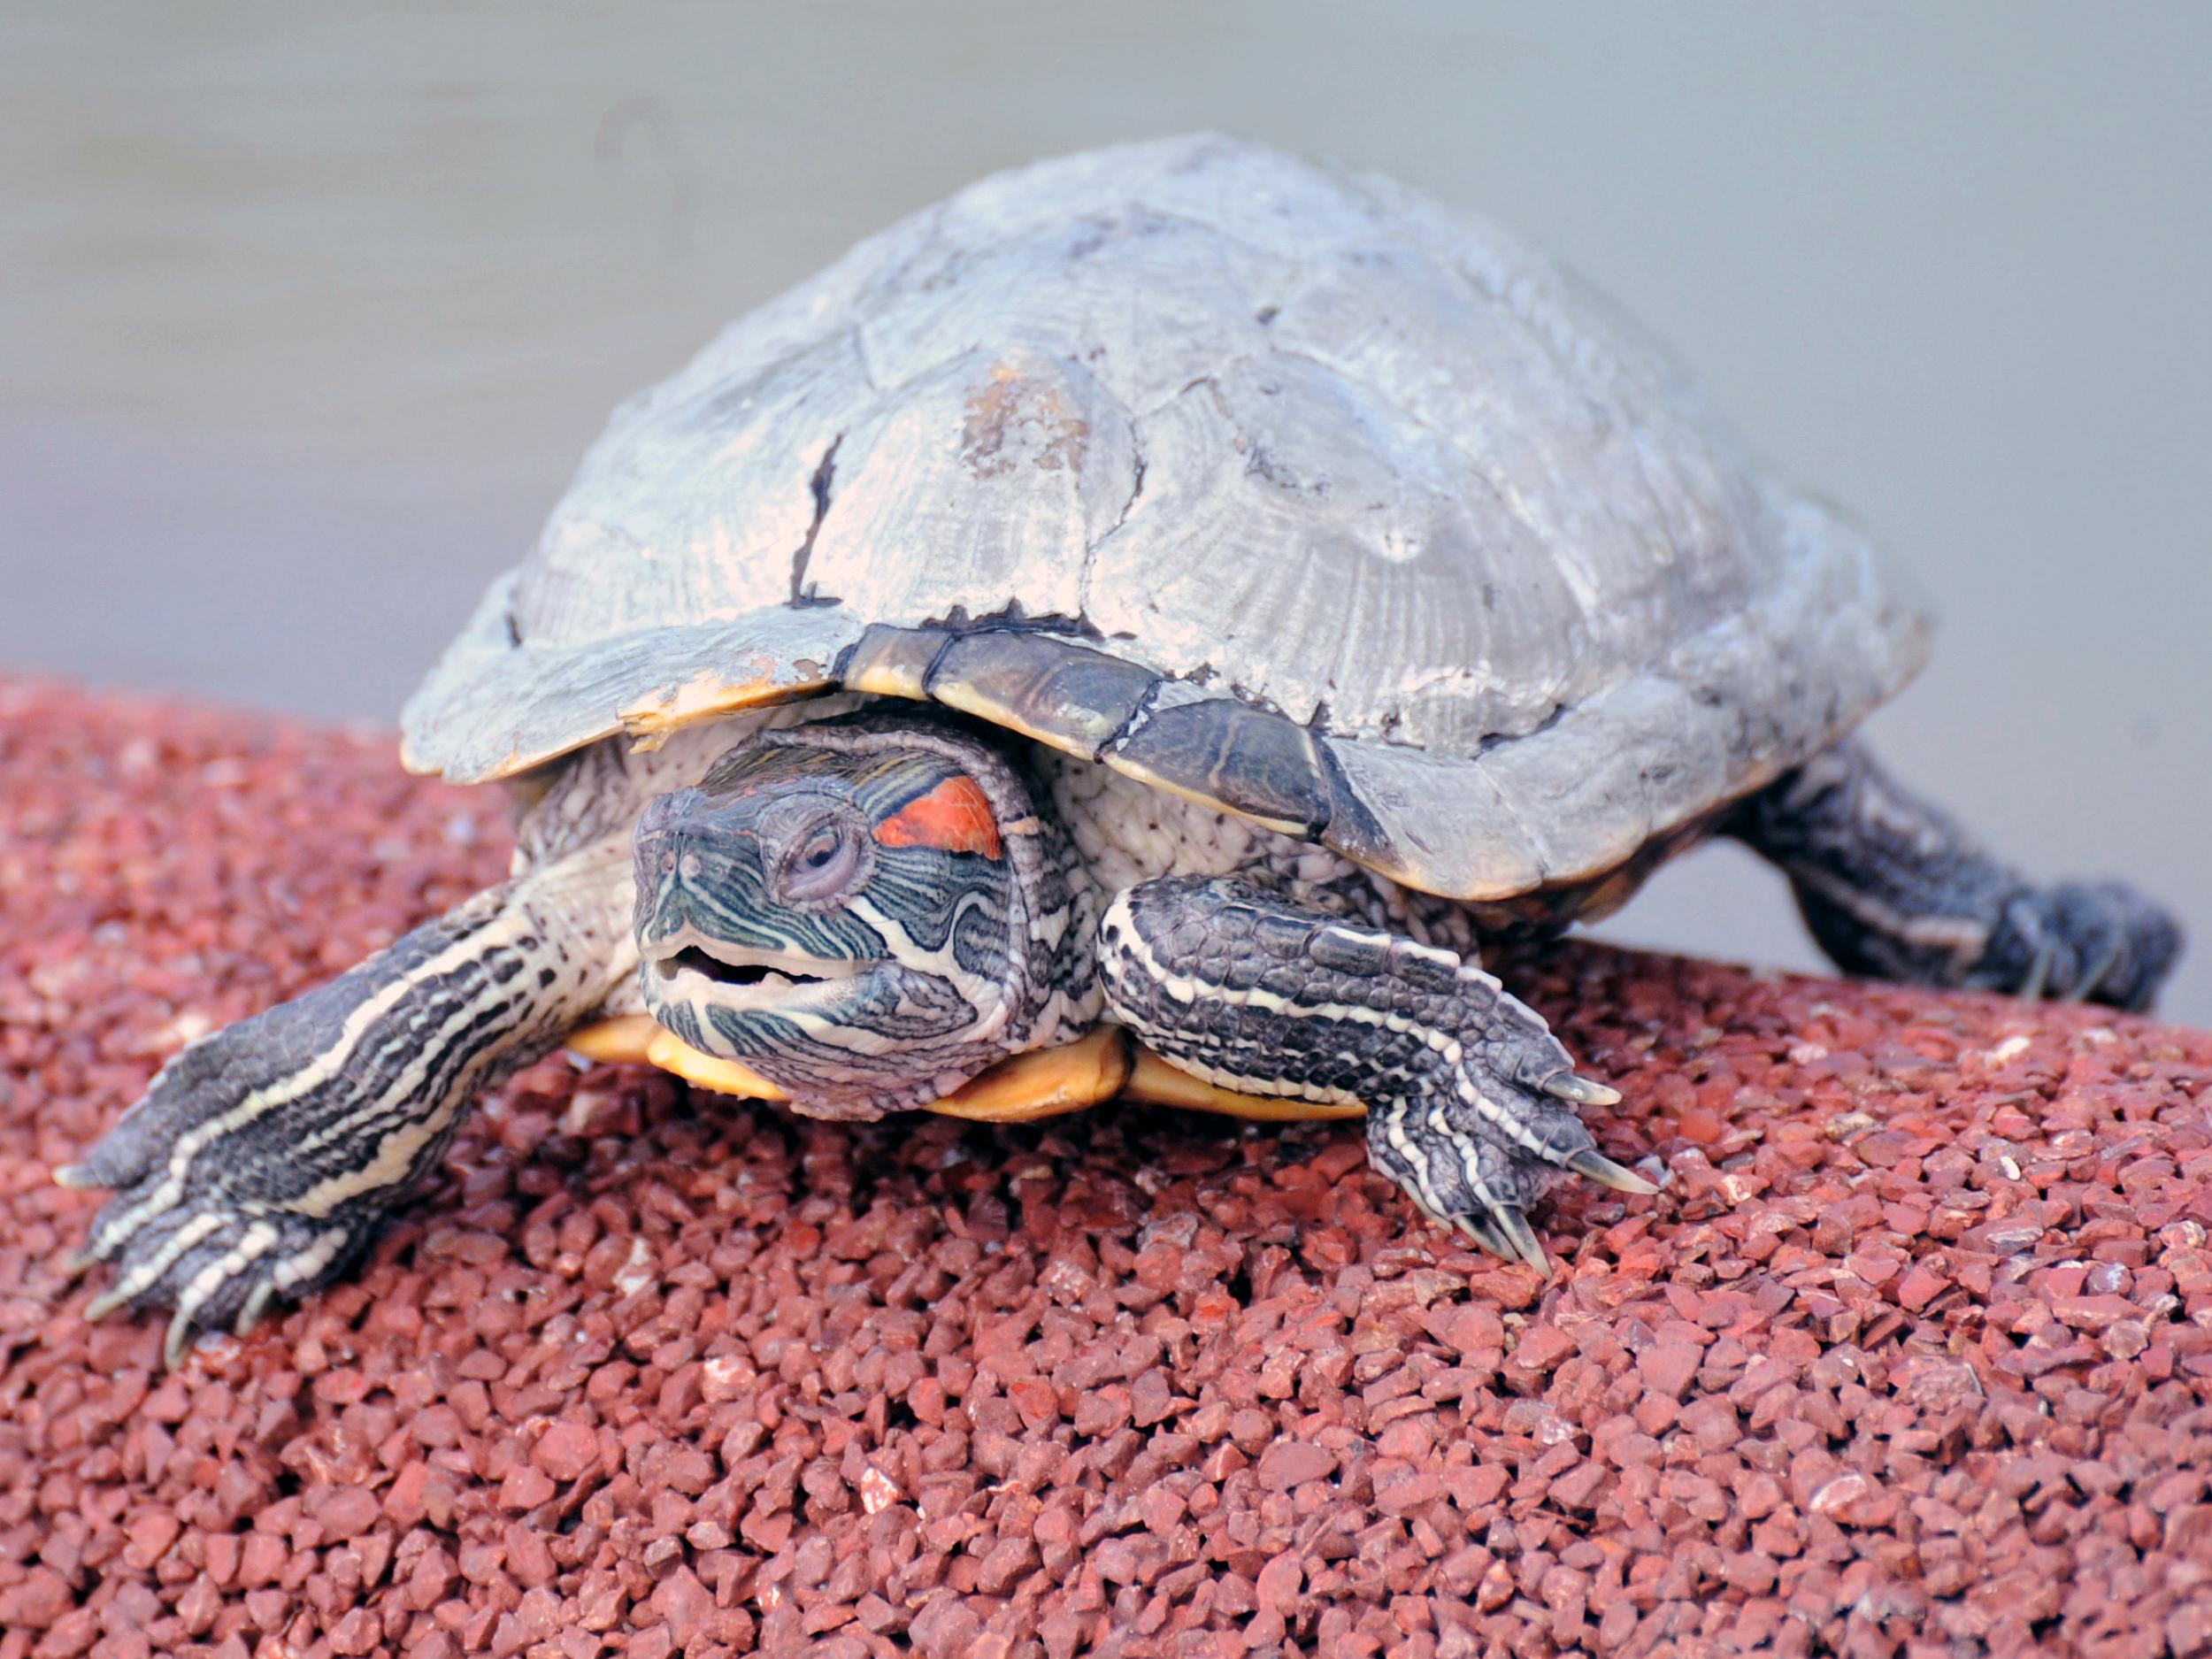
845 908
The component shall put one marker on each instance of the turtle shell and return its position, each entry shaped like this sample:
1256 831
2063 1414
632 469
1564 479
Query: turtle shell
1294 493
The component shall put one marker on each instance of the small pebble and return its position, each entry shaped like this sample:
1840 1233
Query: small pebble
657 1373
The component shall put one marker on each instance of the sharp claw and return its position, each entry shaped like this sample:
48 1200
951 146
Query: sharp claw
180 1338
104 1304
1486 1238
2094 975
1526 1245
2038 974
1483 1237
1595 1164
257 1301
76 1177
1581 1091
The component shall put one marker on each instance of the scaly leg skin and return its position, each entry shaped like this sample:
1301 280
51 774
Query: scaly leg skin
1470 1099
261 1160
1892 888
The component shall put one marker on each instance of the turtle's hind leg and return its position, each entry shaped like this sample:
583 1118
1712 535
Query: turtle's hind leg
1471 1102
263 1159
1892 888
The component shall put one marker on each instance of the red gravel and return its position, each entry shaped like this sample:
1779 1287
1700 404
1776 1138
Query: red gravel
1913 1354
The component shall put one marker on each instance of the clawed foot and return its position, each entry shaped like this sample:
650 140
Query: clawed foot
217 1263
1471 1101
2080 943
1475 1158
1892 888
255 1166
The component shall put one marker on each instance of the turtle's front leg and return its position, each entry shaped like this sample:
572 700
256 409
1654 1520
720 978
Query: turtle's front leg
263 1159
1470 1099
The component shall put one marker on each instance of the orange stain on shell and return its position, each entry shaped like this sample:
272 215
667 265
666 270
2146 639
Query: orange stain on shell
953 817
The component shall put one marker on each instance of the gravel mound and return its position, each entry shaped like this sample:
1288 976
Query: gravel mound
1913 1354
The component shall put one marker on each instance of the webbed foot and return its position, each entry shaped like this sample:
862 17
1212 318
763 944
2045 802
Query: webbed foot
263 1159
1470 1098
217 1262
1497 1129
1893 887
2080 943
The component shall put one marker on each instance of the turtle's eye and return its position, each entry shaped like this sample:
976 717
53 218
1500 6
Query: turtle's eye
822 865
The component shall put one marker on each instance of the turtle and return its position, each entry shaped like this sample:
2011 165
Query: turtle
1139 627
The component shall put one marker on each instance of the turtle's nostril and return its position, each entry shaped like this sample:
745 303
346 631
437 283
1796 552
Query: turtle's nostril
691 866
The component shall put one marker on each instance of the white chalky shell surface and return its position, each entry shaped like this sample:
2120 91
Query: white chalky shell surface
1309 440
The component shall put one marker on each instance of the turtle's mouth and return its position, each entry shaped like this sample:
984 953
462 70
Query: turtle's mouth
689 954
694 960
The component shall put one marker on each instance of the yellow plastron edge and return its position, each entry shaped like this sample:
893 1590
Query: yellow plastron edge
1156 1083
1043 1083
640 1040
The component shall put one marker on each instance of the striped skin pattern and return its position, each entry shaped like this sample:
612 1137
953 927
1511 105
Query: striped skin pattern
868 908
261 1160
842 908
1469 1096
1890 887
868 903
1125 832
946 940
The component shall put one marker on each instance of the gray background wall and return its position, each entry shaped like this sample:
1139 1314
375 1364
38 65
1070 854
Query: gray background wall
304 315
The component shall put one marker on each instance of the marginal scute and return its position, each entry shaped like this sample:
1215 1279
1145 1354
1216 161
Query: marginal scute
494 709
1451 833
1052 690
1251 761
1352 827
707 695
894 662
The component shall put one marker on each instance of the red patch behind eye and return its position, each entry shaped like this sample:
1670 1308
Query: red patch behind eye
955 817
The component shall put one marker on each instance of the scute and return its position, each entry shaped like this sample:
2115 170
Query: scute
495 709
1076 699
1301 495
1253 761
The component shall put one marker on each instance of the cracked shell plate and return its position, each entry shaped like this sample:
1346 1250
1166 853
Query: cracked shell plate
1299 494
